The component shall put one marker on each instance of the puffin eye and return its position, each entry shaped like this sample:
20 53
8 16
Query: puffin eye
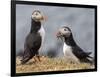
65 30
36 13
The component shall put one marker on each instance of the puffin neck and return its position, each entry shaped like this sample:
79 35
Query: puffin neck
35 26
70 41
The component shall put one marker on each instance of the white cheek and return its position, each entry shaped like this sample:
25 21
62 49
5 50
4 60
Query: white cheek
37 17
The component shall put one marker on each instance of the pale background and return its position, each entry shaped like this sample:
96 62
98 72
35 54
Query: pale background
80 20
5 38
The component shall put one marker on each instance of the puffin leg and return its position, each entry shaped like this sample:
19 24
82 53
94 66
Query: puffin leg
38 57
34 59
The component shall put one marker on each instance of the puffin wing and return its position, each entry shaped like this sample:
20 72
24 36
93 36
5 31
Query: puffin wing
78 52
31 47
81 55
33 41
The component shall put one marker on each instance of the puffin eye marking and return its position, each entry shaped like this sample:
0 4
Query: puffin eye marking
65 29
36 14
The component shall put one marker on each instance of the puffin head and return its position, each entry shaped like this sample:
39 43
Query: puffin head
37 16
64 32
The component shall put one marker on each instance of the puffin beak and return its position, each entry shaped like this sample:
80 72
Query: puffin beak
59 34
44 18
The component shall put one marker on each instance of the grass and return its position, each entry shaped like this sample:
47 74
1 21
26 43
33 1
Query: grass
50 64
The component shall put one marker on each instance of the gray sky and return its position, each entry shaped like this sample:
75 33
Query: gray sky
80 20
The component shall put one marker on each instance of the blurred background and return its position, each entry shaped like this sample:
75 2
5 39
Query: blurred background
80 21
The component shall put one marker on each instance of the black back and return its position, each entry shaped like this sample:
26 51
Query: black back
76 50
70 41
32 42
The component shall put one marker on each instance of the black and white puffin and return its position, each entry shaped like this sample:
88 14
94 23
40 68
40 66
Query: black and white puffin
70 48
34 39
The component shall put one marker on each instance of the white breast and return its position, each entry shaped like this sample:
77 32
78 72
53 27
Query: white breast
67 50
42 34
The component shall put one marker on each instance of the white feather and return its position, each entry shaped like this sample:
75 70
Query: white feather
42 34
67 50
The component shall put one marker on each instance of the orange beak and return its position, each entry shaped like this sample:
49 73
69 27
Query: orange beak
45 18
58 34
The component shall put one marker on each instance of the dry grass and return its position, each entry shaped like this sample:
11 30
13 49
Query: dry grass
50 64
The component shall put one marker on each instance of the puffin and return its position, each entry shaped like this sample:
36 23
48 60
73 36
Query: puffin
70 47
34 39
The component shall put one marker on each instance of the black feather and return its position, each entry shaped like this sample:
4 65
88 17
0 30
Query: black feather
76 50
32 42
